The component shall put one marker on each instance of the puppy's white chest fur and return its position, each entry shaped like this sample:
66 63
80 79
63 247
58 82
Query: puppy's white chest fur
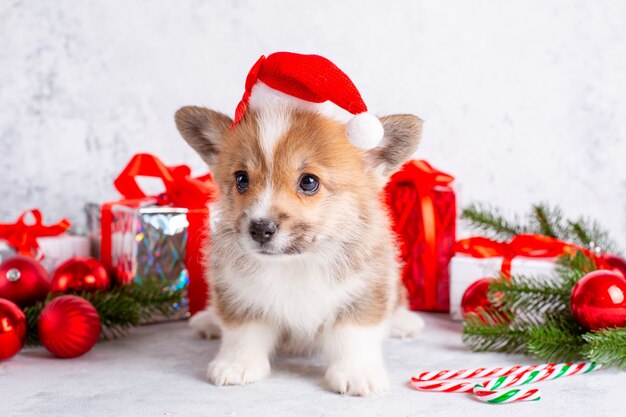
299 295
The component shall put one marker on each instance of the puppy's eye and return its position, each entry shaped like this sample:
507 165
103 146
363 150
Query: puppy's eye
242 181
309 184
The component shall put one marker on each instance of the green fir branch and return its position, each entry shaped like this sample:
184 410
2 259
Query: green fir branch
532 314
580 232
491 221
557 339
491 331
118 312
547 221
607 347
32 316
589 233
119 309
528 294
155 298
572 268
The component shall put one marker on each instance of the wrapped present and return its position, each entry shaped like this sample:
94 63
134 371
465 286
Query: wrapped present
144 237
480 257
423 211
56 250
49 244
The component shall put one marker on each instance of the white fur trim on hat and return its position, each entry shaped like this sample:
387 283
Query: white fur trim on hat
365 131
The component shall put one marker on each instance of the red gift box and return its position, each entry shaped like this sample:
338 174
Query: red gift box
192 194
525 255
423 211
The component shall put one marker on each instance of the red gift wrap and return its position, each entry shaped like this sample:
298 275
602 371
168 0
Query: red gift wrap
22 235
182 191
423 211
524 245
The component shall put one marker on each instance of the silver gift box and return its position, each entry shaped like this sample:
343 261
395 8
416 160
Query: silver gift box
147 243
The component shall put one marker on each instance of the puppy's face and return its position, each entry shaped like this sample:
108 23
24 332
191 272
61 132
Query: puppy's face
291 183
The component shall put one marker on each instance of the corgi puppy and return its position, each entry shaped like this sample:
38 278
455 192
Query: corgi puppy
302 254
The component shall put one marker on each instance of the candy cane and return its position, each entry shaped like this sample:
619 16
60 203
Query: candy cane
430 381
492 391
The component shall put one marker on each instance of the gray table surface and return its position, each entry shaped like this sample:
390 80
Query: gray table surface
158 370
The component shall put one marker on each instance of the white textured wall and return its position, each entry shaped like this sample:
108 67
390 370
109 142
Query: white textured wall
522 102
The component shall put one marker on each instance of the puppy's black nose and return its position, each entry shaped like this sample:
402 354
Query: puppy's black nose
262 230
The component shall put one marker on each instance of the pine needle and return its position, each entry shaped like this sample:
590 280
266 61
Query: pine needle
481 336
119 308
555 340
590 233
547 221
491 221
531 314
572 268
32 316
607 347
530 294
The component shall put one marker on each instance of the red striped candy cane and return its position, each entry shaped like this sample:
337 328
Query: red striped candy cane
492 391
443 380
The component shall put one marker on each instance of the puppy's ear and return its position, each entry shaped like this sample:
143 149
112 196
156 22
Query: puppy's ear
402 135
202 129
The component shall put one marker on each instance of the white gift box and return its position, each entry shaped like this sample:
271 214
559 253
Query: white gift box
55 250
465 270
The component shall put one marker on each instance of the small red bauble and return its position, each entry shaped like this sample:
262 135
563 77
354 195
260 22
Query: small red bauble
476 300
80 274
23 280
615 263
599 300
12 329
69 326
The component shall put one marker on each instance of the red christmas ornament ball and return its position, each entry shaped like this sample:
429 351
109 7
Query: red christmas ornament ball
23 280
476 300
80 274
615 263
69 326
599 300
12 329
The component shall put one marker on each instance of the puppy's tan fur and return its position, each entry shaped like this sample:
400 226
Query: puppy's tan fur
339 238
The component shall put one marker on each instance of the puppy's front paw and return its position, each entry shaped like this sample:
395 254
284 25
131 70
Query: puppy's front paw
358 381
237 371
205 324
405 324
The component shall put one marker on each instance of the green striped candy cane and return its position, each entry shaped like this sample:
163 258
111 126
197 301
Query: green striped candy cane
501 390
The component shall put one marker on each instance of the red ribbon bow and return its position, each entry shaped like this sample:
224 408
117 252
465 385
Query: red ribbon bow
181 190
23 236
527 245
421 174
414 184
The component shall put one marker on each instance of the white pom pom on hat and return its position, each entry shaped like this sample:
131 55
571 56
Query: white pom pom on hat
365 131
313 83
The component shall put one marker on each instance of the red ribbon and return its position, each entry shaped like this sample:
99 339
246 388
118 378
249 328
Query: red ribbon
527 245
23 236
181 190
414 184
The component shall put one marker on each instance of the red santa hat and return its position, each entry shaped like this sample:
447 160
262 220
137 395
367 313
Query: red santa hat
313 83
